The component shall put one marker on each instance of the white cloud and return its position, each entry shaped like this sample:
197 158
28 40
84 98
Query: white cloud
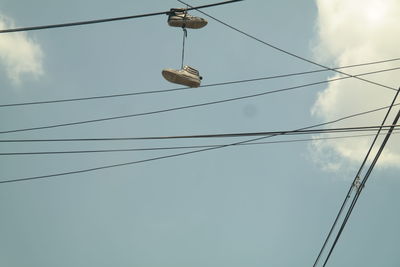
19 54
351 32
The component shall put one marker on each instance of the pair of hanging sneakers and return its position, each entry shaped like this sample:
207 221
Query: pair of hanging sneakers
178 17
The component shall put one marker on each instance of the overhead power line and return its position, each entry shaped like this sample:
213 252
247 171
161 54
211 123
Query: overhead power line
351 188
31 178
286 51
361 187
178 147
188 88
86 22
187 106
206 136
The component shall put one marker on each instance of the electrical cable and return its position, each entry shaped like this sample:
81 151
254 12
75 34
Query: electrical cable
130 138
350 190
107 20
287 52
183 46
179 147
185 107
189 88
121 164
368 173
349 76
356 197
203 136
30 178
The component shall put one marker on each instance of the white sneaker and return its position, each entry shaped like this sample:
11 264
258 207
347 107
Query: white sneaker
187 76
180 18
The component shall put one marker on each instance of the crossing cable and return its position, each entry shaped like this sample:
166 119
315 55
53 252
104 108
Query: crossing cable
179 147
301 58
362 185
185 107
30 178
126 163
351 188
108 19
287 52
207 136
189 88
360 188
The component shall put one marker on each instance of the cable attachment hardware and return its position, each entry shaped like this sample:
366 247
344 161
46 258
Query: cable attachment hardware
357 183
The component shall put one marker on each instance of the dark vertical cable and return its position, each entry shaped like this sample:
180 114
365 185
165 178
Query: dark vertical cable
333 226
183 45
356 176
364 180
358 192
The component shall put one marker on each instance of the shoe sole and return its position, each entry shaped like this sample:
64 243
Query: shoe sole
173 77
188 24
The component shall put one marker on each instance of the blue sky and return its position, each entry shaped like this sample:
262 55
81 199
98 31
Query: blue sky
259 205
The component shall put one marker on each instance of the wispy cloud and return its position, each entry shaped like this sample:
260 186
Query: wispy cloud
19 54
351 32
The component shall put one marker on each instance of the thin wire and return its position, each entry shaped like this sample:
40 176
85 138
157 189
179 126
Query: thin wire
366 175
203 136
121 164
189 88
180 147
333 226
351 186
164 157
184 36
358 192
106 20
184 107
287 52
183 45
